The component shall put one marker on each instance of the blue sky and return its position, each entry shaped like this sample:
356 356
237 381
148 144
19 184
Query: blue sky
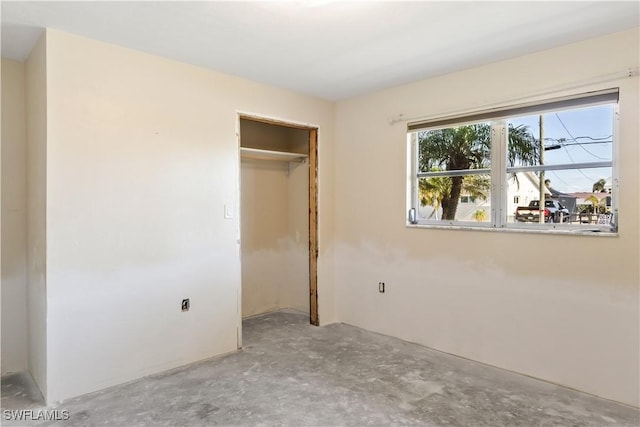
577 127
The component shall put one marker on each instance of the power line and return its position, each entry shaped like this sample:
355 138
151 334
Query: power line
589 143
592 138
563 141
567 151
560 179
603 138
580 145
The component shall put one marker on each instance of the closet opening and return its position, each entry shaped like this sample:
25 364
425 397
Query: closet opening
278 217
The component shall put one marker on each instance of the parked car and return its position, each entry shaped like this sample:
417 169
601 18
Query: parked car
553 212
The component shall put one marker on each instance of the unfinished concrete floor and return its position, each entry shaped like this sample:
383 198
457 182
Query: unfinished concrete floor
294 374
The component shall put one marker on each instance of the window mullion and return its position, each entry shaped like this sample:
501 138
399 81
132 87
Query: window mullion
415 202
614 172
561 166
498 173
456 172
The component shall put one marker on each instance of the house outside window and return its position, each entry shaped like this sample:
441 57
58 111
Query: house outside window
496 168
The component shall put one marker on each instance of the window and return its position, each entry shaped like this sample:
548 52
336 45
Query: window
497 168
453 161
467 199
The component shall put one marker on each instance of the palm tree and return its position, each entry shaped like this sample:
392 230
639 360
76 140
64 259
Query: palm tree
468 147
480 215
594 202
433 190
598 186
599 205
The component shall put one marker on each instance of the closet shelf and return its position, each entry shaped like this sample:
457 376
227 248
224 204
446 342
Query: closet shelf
256 153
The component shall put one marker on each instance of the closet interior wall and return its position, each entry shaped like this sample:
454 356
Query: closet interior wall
274 221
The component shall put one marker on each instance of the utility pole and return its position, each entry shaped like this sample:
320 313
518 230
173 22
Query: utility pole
542 186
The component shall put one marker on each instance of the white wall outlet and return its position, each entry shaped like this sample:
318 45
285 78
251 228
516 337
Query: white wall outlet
228 212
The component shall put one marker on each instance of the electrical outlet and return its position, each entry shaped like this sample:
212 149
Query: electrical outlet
381 287
186 304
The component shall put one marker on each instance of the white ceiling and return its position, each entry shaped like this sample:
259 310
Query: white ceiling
330 49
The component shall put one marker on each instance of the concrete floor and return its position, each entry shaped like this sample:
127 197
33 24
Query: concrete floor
294 374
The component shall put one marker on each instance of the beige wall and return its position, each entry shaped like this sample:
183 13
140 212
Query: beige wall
275 238
14 217
572 319
296 292
275 225
36 91
142 158
264 235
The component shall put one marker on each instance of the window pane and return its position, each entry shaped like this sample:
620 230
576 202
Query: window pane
572 136
457 198
584 195
455 148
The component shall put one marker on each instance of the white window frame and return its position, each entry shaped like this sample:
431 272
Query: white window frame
499 171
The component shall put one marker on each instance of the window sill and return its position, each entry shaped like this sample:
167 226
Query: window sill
487 228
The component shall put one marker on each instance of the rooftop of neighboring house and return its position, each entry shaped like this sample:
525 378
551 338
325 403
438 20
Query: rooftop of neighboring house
584 196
